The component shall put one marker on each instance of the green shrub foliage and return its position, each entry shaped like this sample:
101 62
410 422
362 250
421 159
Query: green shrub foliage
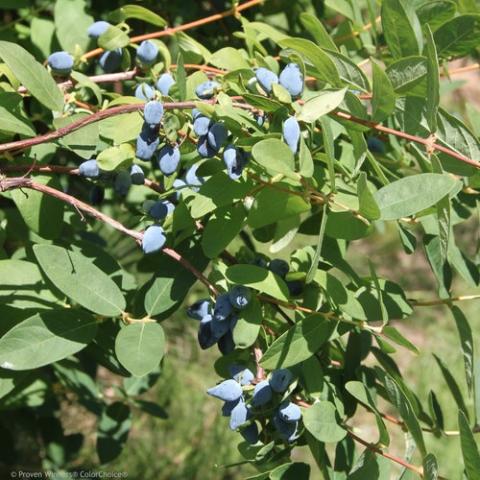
248 157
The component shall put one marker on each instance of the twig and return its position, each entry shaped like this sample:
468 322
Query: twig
446 301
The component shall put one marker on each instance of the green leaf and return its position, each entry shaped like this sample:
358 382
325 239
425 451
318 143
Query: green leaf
320 420
113 158
272 205
436 13
248 324
291 471
349 71
325 68
321 104
79 279
275 156
433 82
221 229
318 250
42 213
229 58
315 28
400 27
299 342
181 78
264 103
411 195
466 342
83 141
367 204
471 456
113 38
71 24
259 279
393 334
33 75
140 346
458 37
113 428
45 338
138 12
12 122
383 99
430 467
329 146
407 73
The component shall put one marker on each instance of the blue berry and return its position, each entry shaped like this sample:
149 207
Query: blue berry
192 179
291 79
229 406
123 182
153 113
239 416
235 160
295 287
179 185
89 169
111 60
291 133
262 394
97 194
240 296
164 83
147 143
226 345
219 327
168 159
289 412
260 119
196 113
266 78
244 376
228 391
280 380
153 239
161 209
97 28
144 92
201 125
207 89
206 339
199 309
288 431
204 148
375 145
137 175
223 308
279 267
250 433
217 136
61 63
147 52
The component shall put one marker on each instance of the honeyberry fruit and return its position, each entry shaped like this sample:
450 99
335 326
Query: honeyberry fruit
137 175
291 78
262 393
122 183
240 296
201 124
153 113
229 406
235 160
291 133
266 78
147 143
168 159
295 287
279 267
178 185
250 433
153 239
288 431
244 376
217 136
239 415
164 83
61 63
206 339
219 327
204 148
223 308
207 89
97 194
228 391
161 209
290 412
280 380
226 345
144 92
111 60
192 179
89 169
199 309
375 145
147 52
97 28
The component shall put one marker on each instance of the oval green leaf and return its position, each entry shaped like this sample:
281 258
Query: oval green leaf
321 422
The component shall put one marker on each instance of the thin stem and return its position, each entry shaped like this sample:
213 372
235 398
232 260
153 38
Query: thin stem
181 28
446 301
23 182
